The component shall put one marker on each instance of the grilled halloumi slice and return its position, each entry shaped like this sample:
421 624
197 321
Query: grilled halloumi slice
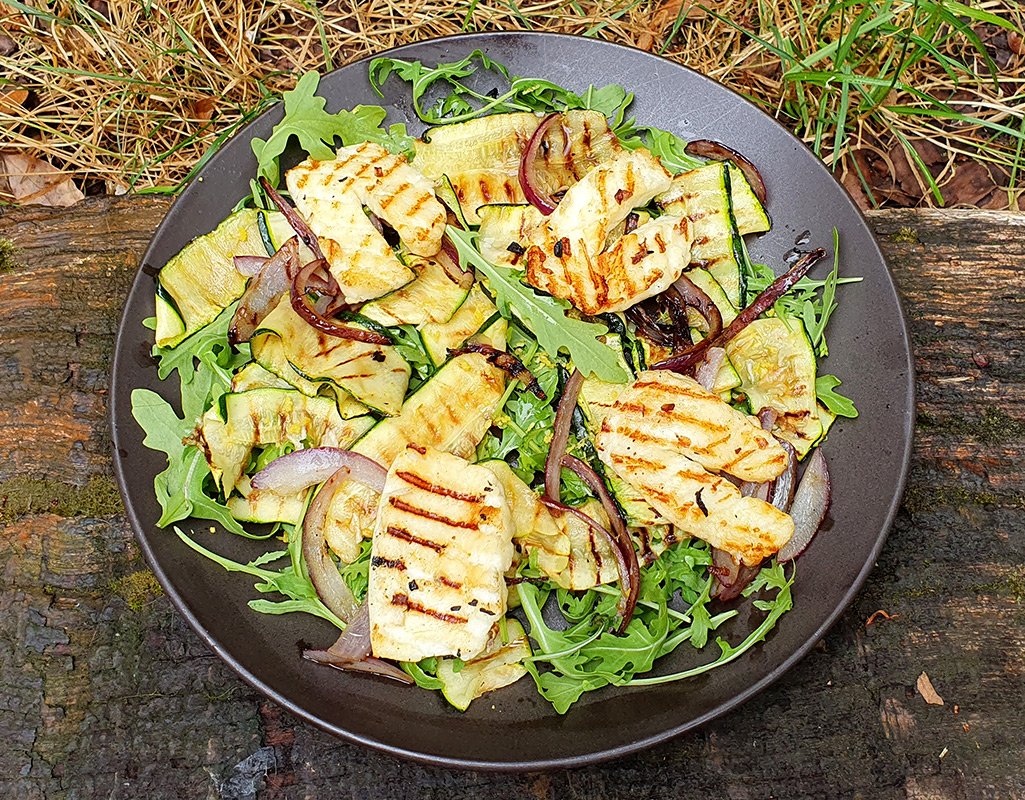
639 265
383 182
567 257
663 434
442 544
696 501
451 412
331 196
664 410
604 197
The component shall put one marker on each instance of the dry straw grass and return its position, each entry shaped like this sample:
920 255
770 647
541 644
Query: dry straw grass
130 94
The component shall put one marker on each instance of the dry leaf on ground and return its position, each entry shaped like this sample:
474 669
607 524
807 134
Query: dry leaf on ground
927 691
12 101
32 180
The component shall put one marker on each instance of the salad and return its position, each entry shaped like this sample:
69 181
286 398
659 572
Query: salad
511 397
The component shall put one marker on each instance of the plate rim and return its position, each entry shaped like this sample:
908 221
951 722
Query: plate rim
116 414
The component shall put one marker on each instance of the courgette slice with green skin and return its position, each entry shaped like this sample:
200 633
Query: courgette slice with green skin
269 354
703 196
434 296
534 528
451 412
776 365
481 157
748 211
446 193
252 505
262 417
703 279
170 325
254 376
201 281
500 665
276 230
376 375
469 318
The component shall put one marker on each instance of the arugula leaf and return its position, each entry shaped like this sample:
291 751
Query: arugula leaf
423 673
179 488
525 422
208 344
667 146
357 574
291 581
316 130
837 403
462 102
407 342
772 577
544 315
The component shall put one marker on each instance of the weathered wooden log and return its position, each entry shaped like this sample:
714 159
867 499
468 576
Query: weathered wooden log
104 692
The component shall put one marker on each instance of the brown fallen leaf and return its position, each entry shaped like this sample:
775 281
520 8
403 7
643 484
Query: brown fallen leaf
1016 43
34 181
7 44
927 691
11 102
971 183
204 109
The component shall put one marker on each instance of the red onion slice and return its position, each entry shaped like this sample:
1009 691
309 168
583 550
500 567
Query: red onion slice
354 643
536 195
560 435
675 301
263 292
745 575
630 582
811 502
731 577
295 471
306 309
782 495
708 369
333 591
448 258
716 151
249 265
351 652
375 666
506 362
299 225
779 287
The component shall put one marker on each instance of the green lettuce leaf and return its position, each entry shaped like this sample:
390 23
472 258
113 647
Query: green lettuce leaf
316 130
544 315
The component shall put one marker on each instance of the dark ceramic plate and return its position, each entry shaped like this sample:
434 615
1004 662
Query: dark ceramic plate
514 728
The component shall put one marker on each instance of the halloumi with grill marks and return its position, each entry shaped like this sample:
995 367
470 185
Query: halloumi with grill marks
357 254
663 410
604 197
696 501
385 183
641 264
441 547
567 256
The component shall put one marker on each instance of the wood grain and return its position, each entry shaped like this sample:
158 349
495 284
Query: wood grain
105 692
